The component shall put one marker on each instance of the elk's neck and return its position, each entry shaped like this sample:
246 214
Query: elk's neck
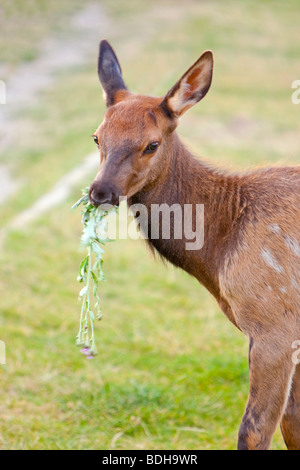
187 181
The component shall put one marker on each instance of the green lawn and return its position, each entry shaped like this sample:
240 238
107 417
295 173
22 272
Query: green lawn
172 371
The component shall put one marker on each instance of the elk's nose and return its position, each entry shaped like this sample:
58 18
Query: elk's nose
103 194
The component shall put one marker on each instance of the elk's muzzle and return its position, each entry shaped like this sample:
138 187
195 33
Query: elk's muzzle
103 193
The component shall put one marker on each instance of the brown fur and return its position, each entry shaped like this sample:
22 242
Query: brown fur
250 261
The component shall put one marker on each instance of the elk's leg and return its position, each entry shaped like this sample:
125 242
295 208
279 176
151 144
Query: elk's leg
290 424
270 372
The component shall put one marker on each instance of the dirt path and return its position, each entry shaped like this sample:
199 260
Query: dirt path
56 195
58 53
25 83
76 47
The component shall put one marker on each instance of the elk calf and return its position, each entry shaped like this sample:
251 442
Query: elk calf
250 259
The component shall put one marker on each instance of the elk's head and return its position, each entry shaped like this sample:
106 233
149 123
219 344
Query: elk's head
135 137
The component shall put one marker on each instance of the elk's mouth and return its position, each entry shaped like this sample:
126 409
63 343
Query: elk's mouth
105 196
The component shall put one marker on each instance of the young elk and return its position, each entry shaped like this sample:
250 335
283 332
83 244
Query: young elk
250 259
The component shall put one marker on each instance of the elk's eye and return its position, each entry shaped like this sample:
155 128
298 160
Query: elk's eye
96 140
151 148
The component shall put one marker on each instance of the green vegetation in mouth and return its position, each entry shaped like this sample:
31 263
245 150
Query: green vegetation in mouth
94 220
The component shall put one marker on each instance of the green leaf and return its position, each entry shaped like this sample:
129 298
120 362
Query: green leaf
92 315
83 266
97 249
84 199
83 291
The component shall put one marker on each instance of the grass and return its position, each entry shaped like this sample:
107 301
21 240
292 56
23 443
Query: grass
150 382
35 20
172 371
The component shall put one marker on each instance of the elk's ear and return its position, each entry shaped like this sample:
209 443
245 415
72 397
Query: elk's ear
191 88
109 72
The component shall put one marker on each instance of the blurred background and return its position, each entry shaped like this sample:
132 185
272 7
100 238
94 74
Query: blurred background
172 371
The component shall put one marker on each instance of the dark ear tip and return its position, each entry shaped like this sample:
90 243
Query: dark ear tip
208 55
106 52
104 44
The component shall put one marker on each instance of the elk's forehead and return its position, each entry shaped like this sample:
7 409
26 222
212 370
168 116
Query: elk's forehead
131 122
131 115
